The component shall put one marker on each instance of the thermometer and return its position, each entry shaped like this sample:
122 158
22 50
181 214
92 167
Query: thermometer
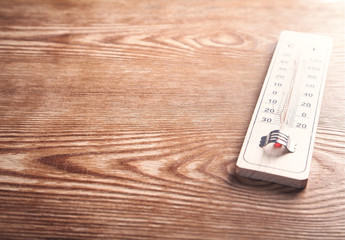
279 142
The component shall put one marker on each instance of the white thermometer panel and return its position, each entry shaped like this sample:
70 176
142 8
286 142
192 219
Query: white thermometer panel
279 142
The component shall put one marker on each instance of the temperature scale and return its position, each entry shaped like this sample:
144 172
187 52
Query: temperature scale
279 142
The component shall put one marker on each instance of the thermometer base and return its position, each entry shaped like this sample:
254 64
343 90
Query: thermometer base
297 181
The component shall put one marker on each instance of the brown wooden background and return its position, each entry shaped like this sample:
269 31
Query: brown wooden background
124 120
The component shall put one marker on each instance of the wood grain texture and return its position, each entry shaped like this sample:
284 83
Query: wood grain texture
124 120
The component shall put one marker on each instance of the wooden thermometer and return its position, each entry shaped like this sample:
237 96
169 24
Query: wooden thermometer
279 142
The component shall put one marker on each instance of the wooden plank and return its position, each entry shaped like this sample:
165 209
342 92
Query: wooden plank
124 120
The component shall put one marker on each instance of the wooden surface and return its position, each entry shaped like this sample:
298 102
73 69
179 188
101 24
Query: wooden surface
124 120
